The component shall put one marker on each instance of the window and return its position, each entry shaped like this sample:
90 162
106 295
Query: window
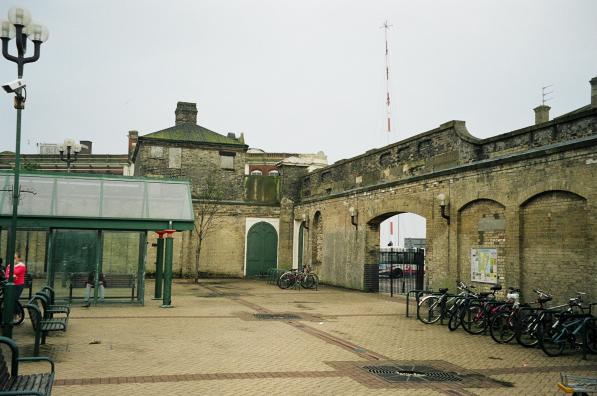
256 172
274 173
156 152
227 161
174 154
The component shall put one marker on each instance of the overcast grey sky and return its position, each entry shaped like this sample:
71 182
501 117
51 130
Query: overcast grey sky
298 75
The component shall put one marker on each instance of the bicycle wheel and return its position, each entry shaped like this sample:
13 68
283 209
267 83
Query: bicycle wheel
591 336
286 280
526 329
474 319
551 340
19 314
501 328
429 310
309 281
456 317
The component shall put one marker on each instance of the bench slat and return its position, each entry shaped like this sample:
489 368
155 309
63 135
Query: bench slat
41 383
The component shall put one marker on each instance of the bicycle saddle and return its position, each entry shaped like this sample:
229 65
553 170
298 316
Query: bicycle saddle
443 290
544 299
484 294
496 287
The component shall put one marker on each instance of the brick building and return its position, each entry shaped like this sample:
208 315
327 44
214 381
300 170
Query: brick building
525 200
254 222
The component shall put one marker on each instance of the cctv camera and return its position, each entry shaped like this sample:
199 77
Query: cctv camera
14 86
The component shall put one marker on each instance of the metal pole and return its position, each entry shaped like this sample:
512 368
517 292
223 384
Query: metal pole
9 288
167 301
141 268
159 266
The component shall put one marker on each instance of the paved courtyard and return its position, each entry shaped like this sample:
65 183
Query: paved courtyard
212 342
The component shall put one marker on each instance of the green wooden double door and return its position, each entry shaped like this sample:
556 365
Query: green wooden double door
262 249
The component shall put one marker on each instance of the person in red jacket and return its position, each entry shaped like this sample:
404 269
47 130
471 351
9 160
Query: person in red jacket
20 271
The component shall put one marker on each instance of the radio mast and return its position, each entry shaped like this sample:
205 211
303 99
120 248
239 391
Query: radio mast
386 26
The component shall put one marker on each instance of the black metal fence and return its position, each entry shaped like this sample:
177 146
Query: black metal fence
400 270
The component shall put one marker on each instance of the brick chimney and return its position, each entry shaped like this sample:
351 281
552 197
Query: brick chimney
133 137
186 113
86 146
541 114
593 92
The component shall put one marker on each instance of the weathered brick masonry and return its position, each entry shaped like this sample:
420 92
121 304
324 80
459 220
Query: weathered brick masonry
530 193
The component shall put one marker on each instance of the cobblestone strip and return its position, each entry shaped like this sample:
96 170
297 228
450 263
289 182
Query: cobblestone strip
198 377
157 317
545 369
347 345
330 339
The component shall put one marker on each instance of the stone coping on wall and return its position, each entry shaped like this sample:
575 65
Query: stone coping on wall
529 154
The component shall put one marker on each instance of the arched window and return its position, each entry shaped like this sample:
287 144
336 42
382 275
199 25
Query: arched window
274 173
256 172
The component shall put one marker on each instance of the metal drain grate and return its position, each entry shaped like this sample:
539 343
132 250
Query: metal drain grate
265 316
412 374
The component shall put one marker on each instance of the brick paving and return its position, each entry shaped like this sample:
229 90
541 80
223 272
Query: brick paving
212 343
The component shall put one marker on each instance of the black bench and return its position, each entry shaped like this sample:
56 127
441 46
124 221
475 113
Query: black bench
122 281
28 285
11 383
48 309
42 326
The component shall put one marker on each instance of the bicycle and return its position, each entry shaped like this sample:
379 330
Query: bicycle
475 312
526 332
19 314
441 306
502 326
294 278
567 328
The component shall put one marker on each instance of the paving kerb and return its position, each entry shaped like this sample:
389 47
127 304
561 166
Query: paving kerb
206 344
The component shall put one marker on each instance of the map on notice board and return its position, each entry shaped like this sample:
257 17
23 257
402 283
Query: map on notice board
484 265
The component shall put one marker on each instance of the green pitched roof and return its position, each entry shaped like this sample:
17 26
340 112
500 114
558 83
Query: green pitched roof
194 133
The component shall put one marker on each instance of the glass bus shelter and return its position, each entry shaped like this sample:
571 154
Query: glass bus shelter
70 226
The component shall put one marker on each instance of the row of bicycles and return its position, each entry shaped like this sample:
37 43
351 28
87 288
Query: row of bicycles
293 278
552 328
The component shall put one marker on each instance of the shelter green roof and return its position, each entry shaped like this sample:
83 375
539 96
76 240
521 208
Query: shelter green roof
195 134
92 202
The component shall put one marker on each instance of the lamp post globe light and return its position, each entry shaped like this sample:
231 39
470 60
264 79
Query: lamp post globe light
20 28
72 149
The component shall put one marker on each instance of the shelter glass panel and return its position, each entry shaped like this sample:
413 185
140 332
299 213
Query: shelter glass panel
36 195
123 199
77 197
168 201
73 252
121 265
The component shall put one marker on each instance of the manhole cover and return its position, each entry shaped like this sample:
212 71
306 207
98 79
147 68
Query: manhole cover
265 316
411 374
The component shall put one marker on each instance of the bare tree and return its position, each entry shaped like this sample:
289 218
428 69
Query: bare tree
209 208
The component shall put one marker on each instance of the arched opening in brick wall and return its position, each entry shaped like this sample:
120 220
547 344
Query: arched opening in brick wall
392 239
482 244
316 232
557 234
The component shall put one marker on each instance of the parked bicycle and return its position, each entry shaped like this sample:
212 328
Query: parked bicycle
574 327
434 307
19 314
502 326
295 278
526 332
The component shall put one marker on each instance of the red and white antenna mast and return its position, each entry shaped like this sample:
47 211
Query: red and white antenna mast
386 26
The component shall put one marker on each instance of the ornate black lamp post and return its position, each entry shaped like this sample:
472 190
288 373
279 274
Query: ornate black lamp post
18 26
72 150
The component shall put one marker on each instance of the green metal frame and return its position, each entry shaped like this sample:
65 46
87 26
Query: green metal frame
97 223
